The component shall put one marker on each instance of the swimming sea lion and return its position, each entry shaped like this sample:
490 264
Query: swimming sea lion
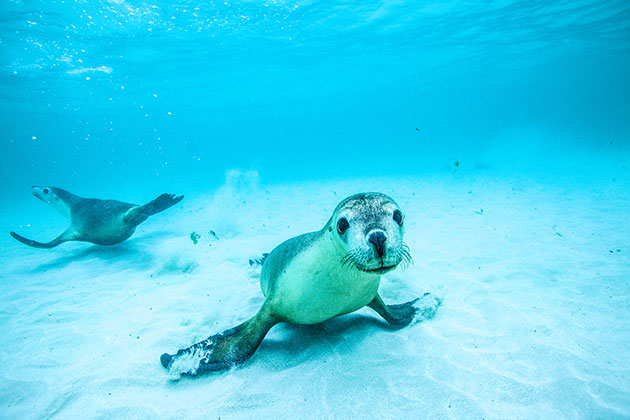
317 276
102 222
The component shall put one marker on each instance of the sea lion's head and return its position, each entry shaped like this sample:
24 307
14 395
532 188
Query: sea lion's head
46 194
54 197
368 229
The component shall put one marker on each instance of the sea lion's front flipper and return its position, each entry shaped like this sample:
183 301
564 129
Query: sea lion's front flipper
139 214
68 235
402 314
221 351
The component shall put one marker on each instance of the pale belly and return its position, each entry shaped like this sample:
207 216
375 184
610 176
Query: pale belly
109 231
313 289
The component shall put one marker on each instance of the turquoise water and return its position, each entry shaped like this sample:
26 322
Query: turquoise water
502 130
136 93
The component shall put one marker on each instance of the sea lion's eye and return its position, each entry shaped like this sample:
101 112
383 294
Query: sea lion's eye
398 217
342 225
46 190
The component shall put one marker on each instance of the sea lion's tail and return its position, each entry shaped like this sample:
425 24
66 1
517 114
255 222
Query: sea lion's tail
139 214
259 261
35 244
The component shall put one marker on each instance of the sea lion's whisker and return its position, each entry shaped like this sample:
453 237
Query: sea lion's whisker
349 259
407 255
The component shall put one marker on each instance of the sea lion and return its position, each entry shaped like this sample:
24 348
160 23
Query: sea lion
317 276
101 222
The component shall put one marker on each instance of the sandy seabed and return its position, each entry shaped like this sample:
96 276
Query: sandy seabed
534 273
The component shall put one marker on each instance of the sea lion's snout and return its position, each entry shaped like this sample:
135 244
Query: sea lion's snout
36 190
43 193
377 238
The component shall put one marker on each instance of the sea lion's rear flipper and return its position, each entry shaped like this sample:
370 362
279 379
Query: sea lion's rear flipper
221 351
68 235
402 314
259 261
139 214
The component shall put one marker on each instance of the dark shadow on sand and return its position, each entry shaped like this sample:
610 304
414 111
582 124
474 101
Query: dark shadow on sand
126 251
299 343
131 251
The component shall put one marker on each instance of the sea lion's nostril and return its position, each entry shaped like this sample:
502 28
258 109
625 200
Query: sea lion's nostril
378 240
